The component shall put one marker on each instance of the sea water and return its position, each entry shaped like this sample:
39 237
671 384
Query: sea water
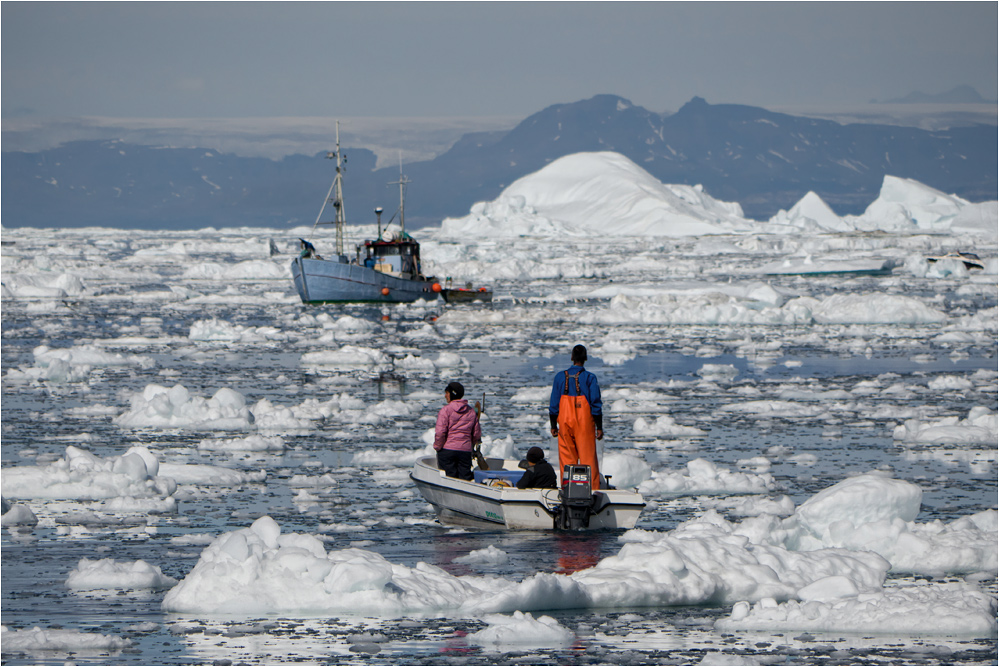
841 387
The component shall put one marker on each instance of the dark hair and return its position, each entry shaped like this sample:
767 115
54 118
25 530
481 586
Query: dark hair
535 454
455 389
579 354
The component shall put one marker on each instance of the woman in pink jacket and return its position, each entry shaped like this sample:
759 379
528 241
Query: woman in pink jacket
457 429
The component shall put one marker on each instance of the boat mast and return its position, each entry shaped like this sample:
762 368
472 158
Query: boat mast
335 195
402 183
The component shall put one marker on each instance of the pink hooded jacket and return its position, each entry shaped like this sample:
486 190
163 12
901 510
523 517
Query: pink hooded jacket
457 427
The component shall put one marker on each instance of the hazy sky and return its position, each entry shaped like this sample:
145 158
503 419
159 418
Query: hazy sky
235 59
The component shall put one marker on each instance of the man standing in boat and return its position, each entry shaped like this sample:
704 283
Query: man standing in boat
576 414
457 430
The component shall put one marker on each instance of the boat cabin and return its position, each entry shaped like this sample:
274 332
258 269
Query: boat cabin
398 257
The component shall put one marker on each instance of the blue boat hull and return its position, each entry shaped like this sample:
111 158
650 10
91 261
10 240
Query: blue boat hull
325 281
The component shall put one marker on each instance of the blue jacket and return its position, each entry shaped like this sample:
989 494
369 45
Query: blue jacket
588 387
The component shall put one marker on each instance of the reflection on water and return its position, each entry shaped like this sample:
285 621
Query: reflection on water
576 551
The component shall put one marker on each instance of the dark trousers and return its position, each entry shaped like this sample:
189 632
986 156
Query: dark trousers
455 464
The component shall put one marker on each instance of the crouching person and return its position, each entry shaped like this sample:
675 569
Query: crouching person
539 473
457 428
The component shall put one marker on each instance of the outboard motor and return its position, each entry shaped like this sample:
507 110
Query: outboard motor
576 498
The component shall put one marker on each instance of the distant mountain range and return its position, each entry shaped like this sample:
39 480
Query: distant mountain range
764 160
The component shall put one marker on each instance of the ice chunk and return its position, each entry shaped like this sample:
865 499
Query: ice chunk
174 407
521 631
110 574
941 609
38 639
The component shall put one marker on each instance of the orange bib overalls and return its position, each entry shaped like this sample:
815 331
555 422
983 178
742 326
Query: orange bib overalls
577 438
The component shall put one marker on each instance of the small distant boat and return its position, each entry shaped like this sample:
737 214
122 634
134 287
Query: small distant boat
466 294
493 500
970 259
388 270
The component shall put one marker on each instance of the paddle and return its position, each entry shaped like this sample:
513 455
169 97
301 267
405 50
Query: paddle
477 446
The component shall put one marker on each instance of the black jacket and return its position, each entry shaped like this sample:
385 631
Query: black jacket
541 475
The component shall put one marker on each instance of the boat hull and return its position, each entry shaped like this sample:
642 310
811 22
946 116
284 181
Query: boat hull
327 281
473 504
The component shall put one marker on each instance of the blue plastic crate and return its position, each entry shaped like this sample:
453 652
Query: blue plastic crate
511 476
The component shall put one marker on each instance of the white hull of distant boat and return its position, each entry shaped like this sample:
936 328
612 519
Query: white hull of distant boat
460 502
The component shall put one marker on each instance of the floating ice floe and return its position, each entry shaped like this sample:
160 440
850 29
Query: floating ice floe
174 407
877 514
17 514
348 357
390 457
243 247
706 560
719 308
345 324
258 269
705 478
208 475
421 364
753 506
664 426
38 639
251 443
718 372
809 266
73 364
215 330
538 395
88 355
831 606
521 631
768 409
133 482
624 471
612 350
260 570
107 573
81 475
42 286
871 309
488 556
980 427
270 418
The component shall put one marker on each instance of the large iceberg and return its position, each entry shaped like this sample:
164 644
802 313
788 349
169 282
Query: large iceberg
606 194
598 194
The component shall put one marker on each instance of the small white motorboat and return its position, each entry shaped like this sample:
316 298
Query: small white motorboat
969 259
493 500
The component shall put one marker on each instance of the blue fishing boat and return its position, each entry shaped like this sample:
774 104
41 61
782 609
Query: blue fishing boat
386 269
